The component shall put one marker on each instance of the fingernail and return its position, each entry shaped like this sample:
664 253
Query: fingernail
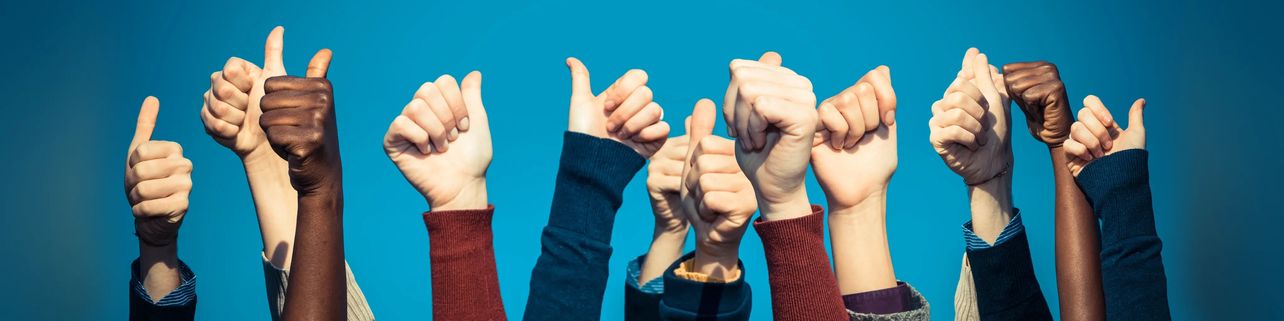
463 123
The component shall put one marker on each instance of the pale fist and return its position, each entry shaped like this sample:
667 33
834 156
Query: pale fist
226 112
971 125
664 183
624 112
770 110
854 154
716 196
158 180
441 143
298 120
1036 87
1097 134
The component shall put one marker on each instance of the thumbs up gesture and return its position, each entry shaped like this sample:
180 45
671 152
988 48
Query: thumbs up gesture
441 143
298 120
158 180
716 196
624 112
770 110
971 124
1097 134
854 155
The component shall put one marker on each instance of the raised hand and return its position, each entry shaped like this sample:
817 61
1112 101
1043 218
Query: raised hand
298 118
664 184
158 180
624 112
716 196
1097 134
441 143
970 125
854 154
770 111
1036 87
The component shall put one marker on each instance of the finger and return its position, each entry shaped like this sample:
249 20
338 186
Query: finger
160 188
959 100
753 90
157 169
217 127
419 112
709 163
225 91
319 64
771 58
868 106
225 112
172 206
848 105
146 122
771 75
1076 150
1080 133
403 128
1136 113
240 73
1096 128
1099 109
635 102
471 89
967 88
881 80
291 83
984 81
955 117
757 131
834 123
953 135
623 87
449 89
272 50
439 107
719 202
644 118
154 150
580 87
654 132
968 57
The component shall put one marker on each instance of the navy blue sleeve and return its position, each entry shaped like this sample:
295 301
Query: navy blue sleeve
1006 288
1118 187
641 301
687 300
569 278
179 304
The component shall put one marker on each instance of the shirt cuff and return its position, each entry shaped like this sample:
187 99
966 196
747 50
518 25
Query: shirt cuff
182 295
686 270
884 301
654 286
975 242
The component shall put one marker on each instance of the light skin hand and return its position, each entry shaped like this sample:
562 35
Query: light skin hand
1097 135
447 166
772 117
158 180
854 158
664 184
624 112
716 196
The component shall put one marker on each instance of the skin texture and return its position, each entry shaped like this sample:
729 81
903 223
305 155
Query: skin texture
231 117
769 110
970 130
854 157
664 185
298 120
624 112
1097 134
1037 89
441 143
158 180
716 196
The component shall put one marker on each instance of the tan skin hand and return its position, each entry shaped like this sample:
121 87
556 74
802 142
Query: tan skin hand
624 112
716 196
446 165
970 125
1097 134
854 155
664 183
158 181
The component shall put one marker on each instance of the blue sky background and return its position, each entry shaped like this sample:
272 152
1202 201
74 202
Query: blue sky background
76 72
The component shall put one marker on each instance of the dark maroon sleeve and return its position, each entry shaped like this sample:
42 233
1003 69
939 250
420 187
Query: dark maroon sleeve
803 286
465 285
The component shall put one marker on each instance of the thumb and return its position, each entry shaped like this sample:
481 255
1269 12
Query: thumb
272 50
702 121
146 122
580 87
1135 114
984 80
771 58
320 64
471 88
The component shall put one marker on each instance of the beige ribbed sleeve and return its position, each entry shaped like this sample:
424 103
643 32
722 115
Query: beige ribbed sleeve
965 295
277 281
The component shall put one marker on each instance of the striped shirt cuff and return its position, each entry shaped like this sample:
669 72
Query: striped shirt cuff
975 242
655 286
182 295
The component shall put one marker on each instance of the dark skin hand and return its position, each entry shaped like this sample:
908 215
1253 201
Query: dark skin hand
1037 88
298 120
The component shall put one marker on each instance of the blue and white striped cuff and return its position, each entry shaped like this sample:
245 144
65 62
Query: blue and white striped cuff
655 286
183 295
975 242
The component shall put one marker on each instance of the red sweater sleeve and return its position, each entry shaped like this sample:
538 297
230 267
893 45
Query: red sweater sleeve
465 285
803 287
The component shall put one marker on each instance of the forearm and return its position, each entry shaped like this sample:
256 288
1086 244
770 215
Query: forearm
158 267
666 247
862 259
720 262
1077 247
317 286
991 205
269 179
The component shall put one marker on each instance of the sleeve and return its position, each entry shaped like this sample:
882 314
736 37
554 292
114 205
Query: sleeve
569 278
1118 187
641 301
689 300
464 280
913 306
803 286
965 295
1006 288
179 304
276 280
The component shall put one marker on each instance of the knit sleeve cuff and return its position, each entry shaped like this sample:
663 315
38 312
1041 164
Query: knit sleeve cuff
1116 174
459 233
785 232
590 185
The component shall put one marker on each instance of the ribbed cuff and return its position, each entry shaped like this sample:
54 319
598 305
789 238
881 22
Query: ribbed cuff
884 301
1118 187
705 298
590 181
459 233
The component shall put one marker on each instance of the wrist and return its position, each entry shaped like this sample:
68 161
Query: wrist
472 196
718 261
793 206
991 206
868 217
871 206
668 231
262 157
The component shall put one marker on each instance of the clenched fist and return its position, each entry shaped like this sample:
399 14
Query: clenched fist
298 119
1036 87
664 184
441 143
770 110
624 112
971 125
854 154
1097 134
716 196
158 180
